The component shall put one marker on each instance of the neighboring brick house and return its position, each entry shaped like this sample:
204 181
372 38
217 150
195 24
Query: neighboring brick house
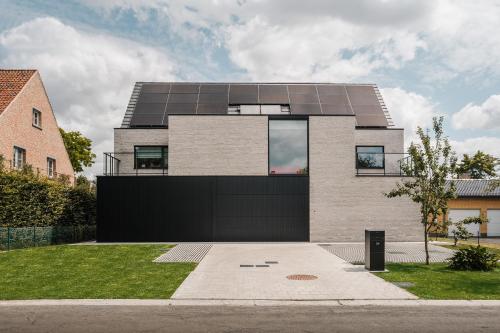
28 128
254 162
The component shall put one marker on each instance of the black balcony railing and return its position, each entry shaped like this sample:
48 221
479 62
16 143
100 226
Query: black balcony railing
383 164
127 164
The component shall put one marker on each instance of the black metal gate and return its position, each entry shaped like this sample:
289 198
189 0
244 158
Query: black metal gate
202 208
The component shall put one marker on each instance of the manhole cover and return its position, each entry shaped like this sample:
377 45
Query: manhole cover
301 277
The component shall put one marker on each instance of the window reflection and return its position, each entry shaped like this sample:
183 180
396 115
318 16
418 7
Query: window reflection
288 147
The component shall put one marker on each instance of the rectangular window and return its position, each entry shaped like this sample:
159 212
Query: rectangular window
51 167
370 157
19 158
151 157
37 118
288 147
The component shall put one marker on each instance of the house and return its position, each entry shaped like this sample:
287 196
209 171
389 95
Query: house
476 197
29 134
254 162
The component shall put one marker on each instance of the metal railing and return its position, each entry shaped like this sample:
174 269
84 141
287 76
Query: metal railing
383 164
125 164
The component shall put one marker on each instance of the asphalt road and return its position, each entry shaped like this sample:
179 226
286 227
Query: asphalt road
370 319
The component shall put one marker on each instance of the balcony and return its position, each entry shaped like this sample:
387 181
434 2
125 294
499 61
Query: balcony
383 164
128 164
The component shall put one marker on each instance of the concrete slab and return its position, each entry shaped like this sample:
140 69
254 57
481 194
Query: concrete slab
219 276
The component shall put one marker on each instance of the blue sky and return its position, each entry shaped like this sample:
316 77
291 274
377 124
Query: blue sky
428 57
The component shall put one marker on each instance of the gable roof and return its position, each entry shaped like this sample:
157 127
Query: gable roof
475 188
152 102
12 82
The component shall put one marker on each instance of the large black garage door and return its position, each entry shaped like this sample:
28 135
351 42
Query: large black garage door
202 208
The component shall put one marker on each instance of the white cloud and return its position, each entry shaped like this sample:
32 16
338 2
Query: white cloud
484 116
89 78
409 110
487 144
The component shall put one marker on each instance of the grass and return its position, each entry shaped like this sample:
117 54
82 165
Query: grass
89 271
472 241
463 246
437 281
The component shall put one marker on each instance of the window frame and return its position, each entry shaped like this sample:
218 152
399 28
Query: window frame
286 117
14 160
369 146
164 148
39 113
54 172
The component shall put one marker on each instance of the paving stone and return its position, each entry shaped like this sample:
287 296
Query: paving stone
185 253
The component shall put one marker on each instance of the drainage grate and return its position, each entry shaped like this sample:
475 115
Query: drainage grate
301 277
261 265
246 265
271 262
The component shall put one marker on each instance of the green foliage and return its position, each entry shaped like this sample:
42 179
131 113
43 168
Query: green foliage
460 232
79 149
474 220
432 162
479 166
28 200
474 258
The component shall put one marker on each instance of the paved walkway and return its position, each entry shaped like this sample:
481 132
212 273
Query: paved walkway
240 271
394 252
185 252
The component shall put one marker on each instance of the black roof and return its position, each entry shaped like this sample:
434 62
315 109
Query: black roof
151 102
475 188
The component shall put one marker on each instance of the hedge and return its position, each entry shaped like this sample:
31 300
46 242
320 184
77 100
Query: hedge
27 200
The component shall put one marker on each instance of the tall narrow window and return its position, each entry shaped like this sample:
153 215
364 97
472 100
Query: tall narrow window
370 157
51 167
288 147
19 158
151 157
37 118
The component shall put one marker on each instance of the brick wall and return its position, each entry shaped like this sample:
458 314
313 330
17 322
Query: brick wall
16 129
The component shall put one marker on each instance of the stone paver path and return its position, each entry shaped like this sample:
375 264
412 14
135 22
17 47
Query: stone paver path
394 252
188 252
240 271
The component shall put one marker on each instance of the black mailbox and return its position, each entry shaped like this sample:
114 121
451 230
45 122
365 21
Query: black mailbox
375 250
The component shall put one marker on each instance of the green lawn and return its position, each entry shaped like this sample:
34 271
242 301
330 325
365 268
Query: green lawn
436 281
462 246
89 271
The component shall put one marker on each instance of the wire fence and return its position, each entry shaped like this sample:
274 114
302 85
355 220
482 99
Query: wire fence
23 237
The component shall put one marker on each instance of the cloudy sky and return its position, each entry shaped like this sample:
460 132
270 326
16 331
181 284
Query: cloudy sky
436 57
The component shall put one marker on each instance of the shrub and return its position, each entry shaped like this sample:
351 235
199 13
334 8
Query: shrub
473 258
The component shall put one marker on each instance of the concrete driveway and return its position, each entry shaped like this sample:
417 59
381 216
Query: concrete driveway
239 271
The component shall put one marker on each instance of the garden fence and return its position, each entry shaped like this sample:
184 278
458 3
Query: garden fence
17 238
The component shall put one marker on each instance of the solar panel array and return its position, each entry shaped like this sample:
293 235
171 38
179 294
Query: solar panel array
158 100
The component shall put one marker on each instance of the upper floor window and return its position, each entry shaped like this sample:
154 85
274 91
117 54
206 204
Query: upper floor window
19 158
150 157
37 118
259 109
288 147
51 167
370 157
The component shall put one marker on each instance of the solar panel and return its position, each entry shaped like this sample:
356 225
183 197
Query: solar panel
362 95
178 108
304 99
144 108
247 89
336 109
155 88
371 120
183 88
152 98
183 98
214 88
242 98
330 89
302 89
305 109
212 109
334 99
273 94
146 120
213 99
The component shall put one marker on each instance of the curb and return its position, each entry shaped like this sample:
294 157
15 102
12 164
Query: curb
221 302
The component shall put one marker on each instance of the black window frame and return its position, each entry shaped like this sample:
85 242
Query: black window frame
286 117
39 113
370 146
164 150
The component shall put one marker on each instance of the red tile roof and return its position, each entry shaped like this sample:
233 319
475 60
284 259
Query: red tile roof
12 82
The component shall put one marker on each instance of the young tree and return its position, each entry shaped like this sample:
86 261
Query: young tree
479 166
432 162
79 149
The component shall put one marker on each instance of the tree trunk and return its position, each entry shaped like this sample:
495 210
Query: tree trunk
426 245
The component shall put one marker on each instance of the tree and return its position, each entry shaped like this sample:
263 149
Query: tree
79 149
432 161
479 166
460 233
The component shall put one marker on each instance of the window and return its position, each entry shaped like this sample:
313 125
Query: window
259 109
37 118
51 167
19 158
150 157
288 147
370 157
